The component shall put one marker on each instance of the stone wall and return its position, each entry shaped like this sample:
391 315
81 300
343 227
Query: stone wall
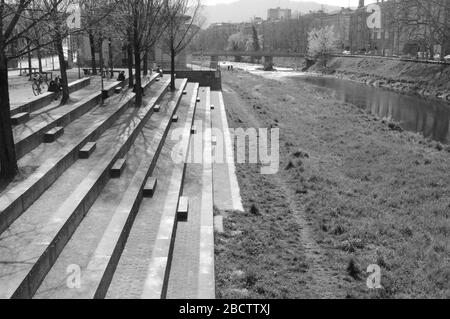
213 79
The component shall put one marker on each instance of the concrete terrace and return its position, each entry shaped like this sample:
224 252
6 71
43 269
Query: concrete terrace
99 209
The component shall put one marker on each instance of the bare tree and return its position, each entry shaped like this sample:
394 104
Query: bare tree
183 23
16 23
322 43
142 24
427 23
98 24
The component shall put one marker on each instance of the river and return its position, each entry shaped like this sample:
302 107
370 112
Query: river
431 118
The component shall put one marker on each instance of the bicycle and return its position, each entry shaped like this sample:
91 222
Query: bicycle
40 84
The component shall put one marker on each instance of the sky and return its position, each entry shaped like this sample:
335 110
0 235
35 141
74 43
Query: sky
339 3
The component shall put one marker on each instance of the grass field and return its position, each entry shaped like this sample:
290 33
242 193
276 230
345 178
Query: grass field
350 193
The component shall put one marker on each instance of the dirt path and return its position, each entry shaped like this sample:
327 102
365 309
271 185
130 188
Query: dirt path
350 193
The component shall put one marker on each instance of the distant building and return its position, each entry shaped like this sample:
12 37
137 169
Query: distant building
279 14
258 20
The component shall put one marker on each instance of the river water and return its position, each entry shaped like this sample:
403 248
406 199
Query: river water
431 118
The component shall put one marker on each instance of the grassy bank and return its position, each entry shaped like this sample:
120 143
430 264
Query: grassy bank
351 192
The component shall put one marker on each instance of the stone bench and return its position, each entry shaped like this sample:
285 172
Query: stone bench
87 150
20 118
52 135
183 209
150 187
118 168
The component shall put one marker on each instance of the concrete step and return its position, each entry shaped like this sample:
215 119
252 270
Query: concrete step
111 215
53 159
53 134
192 273
183 209
87 150
48 231
20 118
47 98
118 168
156 282
28 137
150 187
133 266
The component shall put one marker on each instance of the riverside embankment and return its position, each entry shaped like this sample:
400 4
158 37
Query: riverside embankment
351 192
427 80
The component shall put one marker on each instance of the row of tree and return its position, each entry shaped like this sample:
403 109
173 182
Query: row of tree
34 26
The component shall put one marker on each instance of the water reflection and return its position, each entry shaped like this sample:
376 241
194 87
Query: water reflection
431 118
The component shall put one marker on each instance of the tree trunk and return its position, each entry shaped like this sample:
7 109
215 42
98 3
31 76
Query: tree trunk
130 65
146 63
92 45
8 162
137 62
172 69
62 66
30 66
39 56
100 55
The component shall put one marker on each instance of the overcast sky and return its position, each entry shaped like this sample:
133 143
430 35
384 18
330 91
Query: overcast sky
339 3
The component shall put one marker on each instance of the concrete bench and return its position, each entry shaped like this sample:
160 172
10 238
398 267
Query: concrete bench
157 108
52 135
175 119
118 168
20 118
87 150
193 129
183 209
150 187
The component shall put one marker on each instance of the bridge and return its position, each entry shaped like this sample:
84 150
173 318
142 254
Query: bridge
266 55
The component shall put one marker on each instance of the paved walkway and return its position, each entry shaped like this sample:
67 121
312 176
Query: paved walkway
226 188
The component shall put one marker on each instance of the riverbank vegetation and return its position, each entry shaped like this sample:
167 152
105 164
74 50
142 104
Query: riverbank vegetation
351 192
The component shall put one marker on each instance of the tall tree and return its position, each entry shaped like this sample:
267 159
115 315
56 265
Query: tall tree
98 24
142 22
322 43
183 23
15 26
